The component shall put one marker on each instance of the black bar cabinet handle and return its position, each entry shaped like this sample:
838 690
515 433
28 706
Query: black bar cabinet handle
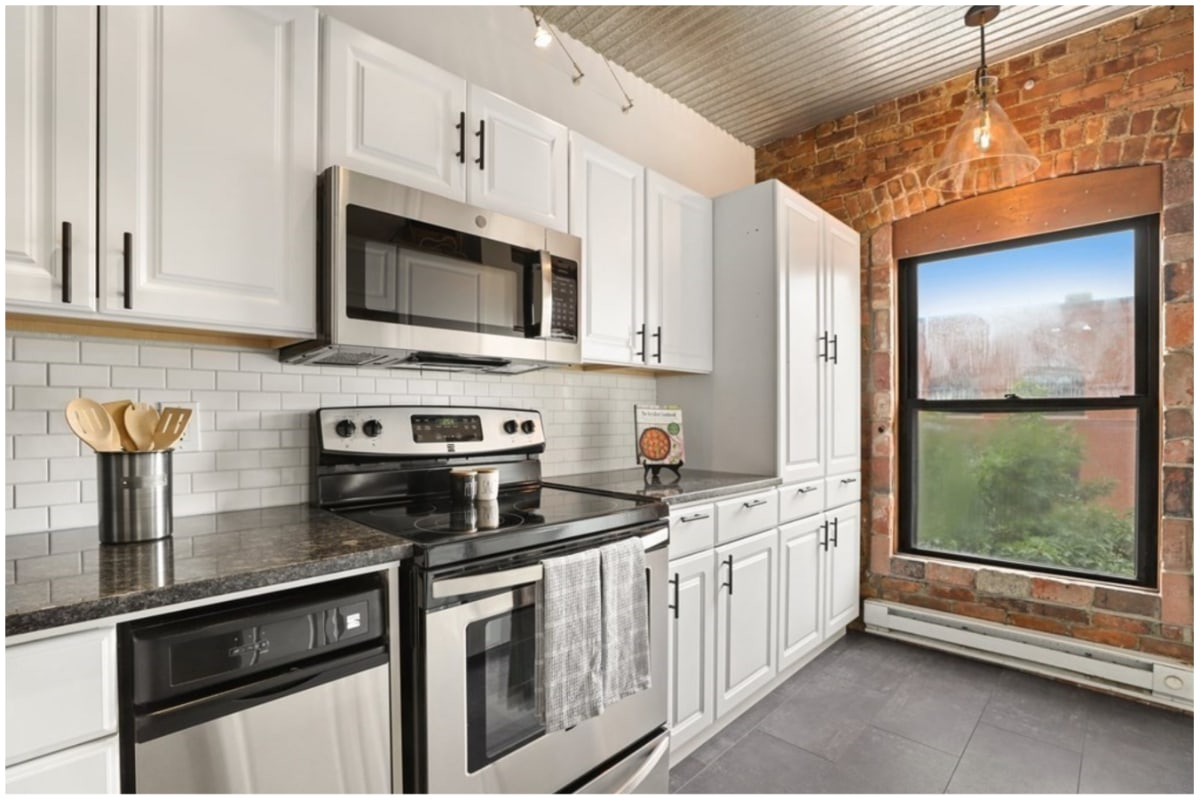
729 563
642 333
835 531
658 354
675 606
833 344
849 480
461 127
482 134
823 353
128 259
825 538
66 262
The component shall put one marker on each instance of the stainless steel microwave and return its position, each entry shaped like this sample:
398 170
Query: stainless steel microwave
408 279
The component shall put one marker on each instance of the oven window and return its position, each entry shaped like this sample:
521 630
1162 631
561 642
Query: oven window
414 273
501 681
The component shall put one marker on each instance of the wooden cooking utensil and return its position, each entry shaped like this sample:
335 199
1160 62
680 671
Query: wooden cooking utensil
140 421
92 424
172 423
116 409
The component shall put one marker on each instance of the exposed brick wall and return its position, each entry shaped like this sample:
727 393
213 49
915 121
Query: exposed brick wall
1115 96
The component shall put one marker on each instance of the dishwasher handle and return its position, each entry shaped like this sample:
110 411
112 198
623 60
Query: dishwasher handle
152 724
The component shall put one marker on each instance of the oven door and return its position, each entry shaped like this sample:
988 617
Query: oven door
482 730
413 271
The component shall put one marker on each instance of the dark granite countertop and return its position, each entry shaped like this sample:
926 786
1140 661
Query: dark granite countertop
692 485
64 577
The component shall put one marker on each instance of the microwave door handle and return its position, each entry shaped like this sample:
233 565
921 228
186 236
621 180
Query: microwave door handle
541 312
512 578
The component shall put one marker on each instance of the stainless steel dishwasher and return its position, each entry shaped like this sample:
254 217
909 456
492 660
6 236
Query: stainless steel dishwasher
283 694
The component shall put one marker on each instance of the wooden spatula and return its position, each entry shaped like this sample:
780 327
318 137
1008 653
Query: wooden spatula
92 424
140 421
172 423
116 409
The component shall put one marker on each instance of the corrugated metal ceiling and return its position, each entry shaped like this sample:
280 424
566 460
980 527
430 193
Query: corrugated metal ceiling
765 72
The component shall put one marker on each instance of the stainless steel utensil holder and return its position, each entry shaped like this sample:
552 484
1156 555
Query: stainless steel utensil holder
134 494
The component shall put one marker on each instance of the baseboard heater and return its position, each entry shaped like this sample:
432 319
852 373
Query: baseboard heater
1125 672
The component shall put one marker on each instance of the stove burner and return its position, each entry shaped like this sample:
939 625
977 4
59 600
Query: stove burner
468 520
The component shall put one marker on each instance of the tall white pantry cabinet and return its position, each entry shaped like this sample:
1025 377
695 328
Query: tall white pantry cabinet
786 403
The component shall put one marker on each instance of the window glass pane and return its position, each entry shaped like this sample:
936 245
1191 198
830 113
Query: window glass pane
1046 320
1056 490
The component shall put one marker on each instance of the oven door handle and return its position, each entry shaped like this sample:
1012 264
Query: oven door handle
511 578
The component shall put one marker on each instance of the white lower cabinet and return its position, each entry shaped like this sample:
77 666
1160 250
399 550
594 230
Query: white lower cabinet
90 768
800 627
747 587
840 569
691 640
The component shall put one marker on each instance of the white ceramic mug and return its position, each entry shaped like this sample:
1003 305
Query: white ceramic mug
487 481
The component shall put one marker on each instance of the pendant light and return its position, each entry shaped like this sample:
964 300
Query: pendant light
984 151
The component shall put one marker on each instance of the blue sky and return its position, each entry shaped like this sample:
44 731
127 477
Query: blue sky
1028 276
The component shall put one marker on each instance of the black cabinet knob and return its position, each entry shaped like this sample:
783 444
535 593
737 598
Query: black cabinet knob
372 428
528 427
344 428
510 426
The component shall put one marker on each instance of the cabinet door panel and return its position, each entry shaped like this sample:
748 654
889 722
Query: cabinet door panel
679 286
746 617
209 162
843 409
691 636
388 113
91 768
59 691
802 456
524 168
607 213
842 567
799 588
49 154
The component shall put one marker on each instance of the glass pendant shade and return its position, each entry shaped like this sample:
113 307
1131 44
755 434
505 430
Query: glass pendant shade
984 151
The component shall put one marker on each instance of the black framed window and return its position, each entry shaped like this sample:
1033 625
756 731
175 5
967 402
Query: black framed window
1029 403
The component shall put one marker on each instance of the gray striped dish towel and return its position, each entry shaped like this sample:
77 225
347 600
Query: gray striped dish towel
626 628
571 682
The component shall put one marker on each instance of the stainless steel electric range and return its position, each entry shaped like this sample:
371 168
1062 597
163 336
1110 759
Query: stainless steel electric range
469 611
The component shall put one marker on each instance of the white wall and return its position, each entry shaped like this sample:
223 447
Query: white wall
254 419
492 46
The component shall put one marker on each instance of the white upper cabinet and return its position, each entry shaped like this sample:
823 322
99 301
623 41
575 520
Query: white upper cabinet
802 451
208 166
843 378
679 276
390 114
519 161
50 157
607 197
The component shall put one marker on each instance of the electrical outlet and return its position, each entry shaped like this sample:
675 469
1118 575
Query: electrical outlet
191 436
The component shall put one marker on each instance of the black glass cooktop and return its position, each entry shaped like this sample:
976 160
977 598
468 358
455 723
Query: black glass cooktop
520 517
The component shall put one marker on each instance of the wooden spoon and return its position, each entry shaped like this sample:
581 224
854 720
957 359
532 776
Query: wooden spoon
172 423
116 409
140 421
92 424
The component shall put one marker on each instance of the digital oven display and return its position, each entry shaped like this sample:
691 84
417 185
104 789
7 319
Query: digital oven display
433 429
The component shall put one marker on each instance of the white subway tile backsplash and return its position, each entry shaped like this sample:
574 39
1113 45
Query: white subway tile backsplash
139 377
255 414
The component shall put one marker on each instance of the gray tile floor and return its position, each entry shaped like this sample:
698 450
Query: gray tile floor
876 715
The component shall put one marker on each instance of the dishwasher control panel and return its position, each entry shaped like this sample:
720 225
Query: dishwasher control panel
178 654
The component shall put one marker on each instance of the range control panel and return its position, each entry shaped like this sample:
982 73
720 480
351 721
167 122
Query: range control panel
416 431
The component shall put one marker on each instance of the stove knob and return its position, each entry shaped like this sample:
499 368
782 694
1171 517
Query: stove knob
372 428
344 428
510 426
528 427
